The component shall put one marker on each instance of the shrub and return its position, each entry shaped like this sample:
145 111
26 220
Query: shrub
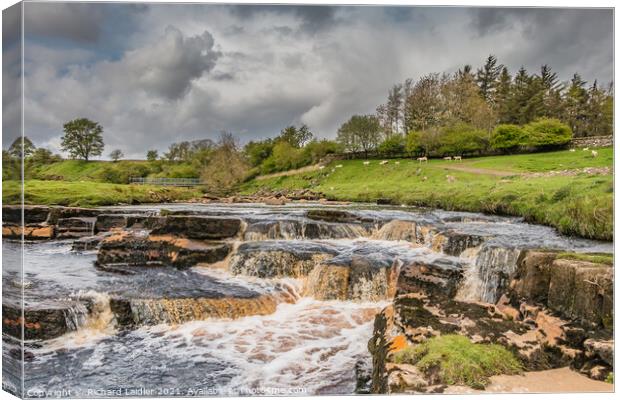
413 144
461 138
394 145
507 138
318 149
458 361
547 133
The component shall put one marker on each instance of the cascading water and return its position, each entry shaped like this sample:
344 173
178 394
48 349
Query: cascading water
289 311
488 275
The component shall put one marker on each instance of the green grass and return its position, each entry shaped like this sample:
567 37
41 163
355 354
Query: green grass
90 194
598 258
543 162
576 205
457 361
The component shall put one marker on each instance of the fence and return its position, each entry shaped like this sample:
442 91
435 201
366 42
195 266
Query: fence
166 181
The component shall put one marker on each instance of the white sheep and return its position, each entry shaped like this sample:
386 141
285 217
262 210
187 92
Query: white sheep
586 149
366 163
425 159
448 158
572 150
322 167
383 162
397 162
458 158
339 166
594 153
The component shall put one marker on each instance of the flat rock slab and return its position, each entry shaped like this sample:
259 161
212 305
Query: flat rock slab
199 227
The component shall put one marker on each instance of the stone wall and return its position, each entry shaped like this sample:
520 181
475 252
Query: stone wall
593 141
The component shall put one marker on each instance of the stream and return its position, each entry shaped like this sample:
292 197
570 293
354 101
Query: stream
301 346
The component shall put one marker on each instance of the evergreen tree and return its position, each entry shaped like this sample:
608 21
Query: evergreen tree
487 78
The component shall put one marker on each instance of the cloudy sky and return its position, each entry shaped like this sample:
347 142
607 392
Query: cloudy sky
158 73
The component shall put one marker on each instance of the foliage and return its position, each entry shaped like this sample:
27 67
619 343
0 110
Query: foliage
316 150
82 139
413 144
190 151
458 361
116 155
547 132
296 137
152 155
507 137
393 145
461 138
258 151
227 166
360 133
22 146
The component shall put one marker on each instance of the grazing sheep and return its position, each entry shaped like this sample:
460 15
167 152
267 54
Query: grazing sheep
397 162
585 149
425 159
448 158
366 162
450 178
458 158
594 153
424 178
322 167
383 162
339 166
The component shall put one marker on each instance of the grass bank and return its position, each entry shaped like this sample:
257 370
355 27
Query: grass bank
578 203
91 194
457 361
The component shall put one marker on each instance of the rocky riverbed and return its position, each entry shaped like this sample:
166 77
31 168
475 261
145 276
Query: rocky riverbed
205 299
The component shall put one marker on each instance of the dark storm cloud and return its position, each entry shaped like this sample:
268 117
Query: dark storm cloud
313 18
254 69
80 22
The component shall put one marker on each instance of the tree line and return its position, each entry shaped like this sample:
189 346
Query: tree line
471 111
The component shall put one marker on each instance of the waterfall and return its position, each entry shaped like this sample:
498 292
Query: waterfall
488 276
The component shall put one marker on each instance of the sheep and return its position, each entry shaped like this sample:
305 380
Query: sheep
458 158
448 158
383 162
450 178
594 153
397 162
585 149
322 167
366 163
572 150
425 159
339 166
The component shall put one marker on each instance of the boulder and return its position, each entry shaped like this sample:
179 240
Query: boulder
438 278
454 243
74 227
40 322
199 227
601 348
582 291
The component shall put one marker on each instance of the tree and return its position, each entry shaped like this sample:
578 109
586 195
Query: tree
423 106
116 155
507 137
296 137
22 147
152 155
487 78
576 102
43 156
82 138
258 151
413 143
361 132
461 138
227 166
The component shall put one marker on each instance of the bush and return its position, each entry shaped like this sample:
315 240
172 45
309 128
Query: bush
547 133
392 146
413 144
507 138
461 138
458 361
318 149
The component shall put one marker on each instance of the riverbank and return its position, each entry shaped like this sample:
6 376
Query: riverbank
570 191
91 194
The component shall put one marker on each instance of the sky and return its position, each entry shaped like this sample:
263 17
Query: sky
153 74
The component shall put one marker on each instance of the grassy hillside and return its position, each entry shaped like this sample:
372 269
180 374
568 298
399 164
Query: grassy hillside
111 172
580 204
90 194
